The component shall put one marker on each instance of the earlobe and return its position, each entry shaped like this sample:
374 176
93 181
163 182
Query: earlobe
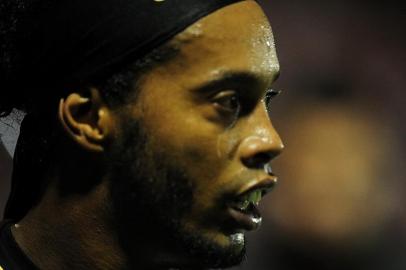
85 120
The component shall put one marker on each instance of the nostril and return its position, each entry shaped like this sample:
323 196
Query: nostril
256 151
258 160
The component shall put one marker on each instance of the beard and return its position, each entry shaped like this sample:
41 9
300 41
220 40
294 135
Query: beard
151 194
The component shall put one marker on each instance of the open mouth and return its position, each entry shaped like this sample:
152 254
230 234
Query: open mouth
243 203
244 208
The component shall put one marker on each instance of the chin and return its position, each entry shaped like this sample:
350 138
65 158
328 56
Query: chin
215 249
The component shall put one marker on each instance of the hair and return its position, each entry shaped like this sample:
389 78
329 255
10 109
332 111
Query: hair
115 87
37 133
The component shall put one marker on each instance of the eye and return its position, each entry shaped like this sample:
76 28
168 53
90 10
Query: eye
227 102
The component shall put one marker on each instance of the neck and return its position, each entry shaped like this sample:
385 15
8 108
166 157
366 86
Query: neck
75 233
69 234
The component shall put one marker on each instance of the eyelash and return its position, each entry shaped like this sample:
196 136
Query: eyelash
270 94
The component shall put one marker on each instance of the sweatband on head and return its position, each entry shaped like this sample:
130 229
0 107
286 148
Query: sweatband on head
70 40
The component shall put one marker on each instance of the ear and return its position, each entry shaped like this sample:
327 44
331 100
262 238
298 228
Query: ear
86 119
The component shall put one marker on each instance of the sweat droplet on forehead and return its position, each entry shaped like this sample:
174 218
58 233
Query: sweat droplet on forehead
262 47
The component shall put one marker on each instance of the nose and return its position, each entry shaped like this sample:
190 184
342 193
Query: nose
261 144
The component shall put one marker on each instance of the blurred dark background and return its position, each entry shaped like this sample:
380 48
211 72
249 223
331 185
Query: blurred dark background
340 200
341 195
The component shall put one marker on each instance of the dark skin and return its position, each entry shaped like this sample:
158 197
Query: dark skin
205 120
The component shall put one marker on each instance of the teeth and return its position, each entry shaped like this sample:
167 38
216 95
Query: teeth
243 204
253 197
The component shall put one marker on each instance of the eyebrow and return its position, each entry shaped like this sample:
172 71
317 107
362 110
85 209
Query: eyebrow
235 78
246 75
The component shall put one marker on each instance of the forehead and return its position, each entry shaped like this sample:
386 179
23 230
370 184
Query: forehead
237 38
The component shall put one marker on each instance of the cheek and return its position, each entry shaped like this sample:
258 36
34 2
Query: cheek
185 135
201 149
193 148
199 154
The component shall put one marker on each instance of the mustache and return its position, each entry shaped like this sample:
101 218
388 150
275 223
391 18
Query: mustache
241 179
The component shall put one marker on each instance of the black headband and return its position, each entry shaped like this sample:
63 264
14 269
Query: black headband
69 40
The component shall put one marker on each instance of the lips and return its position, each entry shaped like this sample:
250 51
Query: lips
244 208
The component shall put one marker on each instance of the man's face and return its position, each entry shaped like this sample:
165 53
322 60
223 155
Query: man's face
193 146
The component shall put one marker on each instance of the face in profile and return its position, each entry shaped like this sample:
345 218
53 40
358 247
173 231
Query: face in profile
189 161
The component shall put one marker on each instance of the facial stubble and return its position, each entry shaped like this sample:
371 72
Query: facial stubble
151 194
